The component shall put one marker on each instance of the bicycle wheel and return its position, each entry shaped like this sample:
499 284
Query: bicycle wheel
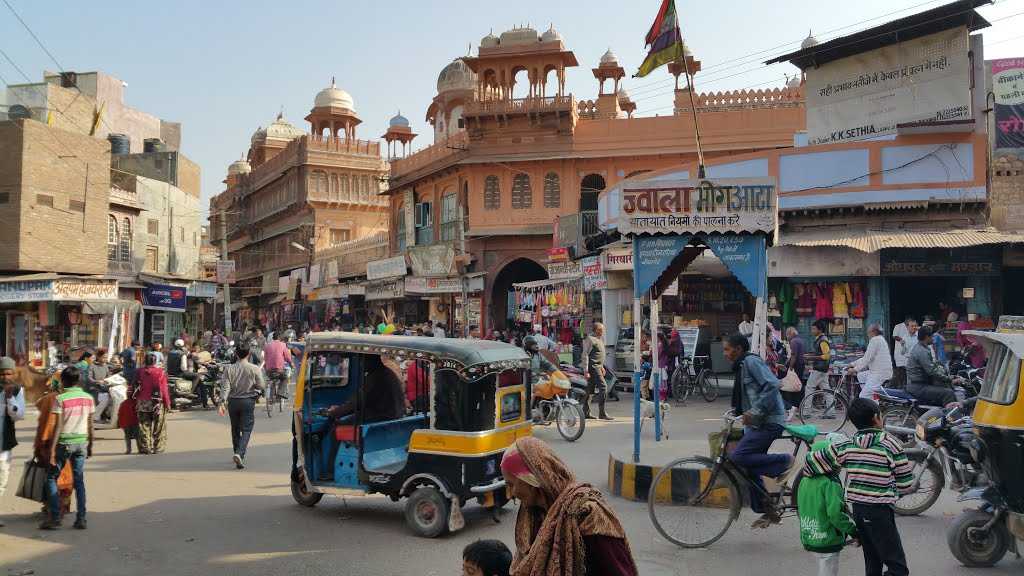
691 503
825 409
678 381
708 388
269 400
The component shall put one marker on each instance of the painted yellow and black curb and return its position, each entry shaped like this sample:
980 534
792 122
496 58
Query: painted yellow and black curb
630 480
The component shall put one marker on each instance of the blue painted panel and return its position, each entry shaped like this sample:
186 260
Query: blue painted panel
826 199
818 169
755 168
345 470
928 163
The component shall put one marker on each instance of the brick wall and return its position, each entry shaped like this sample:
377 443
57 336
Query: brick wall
1006 197
10 193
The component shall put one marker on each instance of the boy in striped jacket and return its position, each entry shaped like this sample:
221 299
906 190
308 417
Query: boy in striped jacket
878 473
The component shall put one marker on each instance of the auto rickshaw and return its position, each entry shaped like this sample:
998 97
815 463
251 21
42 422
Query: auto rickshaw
982 536
466 403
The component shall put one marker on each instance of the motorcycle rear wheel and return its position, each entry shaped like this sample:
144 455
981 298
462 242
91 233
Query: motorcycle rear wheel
933 480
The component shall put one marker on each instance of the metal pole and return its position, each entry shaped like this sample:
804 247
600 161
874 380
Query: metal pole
637 375
227 286
655 370
696 128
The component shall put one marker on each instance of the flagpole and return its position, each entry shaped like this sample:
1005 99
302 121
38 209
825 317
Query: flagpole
693 109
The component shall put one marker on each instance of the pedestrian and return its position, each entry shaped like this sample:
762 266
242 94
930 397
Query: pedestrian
820 357
564 527
877 475
675 351
901 345
42 447
152 402
12 409
593 370
938 347
824 521
128 419
873 369
439 331
129 361
98 371
74 409
756 398
486 558
242 383
797 365
663 364
256 344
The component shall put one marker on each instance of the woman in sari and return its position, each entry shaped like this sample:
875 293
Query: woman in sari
46 435
152 402
564 528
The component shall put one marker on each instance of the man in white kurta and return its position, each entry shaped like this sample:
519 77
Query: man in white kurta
903 340
874 368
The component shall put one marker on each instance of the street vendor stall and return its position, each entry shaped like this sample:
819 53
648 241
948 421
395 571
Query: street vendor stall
558 305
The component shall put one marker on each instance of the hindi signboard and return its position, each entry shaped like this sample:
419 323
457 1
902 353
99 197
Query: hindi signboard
869 94
225 271
698 206
593 274
616 259
72 289
1008 88
387 268
567 270
421 285
386 290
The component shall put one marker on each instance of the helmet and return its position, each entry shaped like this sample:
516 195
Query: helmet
179 343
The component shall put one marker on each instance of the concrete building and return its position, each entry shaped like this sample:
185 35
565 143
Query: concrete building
294 196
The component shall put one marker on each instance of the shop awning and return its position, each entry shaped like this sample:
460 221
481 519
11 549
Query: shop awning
875 240
109 307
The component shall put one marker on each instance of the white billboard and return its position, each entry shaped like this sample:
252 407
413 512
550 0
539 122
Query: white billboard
867 95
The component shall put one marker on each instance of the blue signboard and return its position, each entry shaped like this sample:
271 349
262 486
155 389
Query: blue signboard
161 297
652 255
745 255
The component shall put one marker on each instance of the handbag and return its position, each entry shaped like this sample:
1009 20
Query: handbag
33 482
790 382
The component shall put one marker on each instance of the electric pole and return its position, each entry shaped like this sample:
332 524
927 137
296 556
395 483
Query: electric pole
227 285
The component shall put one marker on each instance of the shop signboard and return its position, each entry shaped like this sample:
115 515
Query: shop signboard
564 270
558 254
282 284
314 276
869 94
593 275
225 271
972 261
387 268
698 206
431 261
616 259
26 291
354 289
73 289
199 289
164 297
1008 89
654 254
419 285
386 290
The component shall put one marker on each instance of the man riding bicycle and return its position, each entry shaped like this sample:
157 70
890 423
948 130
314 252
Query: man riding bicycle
275 356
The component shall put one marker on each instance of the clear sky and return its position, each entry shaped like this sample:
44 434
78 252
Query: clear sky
225 67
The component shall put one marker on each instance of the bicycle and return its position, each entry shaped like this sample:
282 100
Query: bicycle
276 378
694 493
829 408
693 374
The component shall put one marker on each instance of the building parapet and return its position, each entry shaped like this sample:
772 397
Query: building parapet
455 144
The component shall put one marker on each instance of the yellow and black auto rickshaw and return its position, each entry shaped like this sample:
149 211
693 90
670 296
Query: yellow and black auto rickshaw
466 402
982 536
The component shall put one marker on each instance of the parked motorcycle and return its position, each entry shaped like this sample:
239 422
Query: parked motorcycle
942 457
554 401
183 395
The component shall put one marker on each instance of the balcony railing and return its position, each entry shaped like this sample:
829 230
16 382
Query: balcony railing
455 144
573 229
520 105
449 231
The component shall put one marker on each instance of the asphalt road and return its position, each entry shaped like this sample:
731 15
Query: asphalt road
188 511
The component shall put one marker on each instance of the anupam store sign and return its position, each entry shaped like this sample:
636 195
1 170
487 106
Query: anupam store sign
58 290
698 206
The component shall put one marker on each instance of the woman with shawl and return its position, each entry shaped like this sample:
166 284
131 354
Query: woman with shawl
46 435
564 527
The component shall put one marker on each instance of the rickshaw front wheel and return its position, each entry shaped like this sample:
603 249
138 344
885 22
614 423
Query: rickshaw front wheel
426 512
973 546
302 495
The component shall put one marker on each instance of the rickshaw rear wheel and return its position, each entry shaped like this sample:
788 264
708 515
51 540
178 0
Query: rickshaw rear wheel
973 547
426 512
302 495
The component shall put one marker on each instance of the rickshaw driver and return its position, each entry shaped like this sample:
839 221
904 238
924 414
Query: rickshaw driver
383 396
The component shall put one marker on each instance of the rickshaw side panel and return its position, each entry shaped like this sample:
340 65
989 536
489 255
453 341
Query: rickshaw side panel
386 444
1004 461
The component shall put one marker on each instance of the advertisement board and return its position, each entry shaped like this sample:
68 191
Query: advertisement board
695 206
163 297
867 95
387 268
1008 89
225 271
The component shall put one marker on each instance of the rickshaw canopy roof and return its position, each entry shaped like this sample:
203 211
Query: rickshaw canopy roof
472 358
1013 341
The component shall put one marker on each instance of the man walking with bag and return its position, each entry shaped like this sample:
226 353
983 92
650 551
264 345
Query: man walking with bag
74 409
12 409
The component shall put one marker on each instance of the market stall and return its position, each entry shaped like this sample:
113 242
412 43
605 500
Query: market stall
559 306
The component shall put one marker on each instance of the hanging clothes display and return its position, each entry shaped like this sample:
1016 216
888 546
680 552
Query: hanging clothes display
786 296
804 294
822 300
841 300
857 310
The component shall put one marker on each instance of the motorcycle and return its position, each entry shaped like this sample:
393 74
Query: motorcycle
942 457
184 396
554 401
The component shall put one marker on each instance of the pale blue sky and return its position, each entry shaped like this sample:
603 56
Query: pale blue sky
222 67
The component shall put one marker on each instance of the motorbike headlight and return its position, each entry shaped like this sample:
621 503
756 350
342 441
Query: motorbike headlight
919 431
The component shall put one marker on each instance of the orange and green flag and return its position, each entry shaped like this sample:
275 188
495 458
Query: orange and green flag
664 38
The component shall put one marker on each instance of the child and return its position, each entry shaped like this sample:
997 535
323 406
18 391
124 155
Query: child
486 558
878 473
824 524
647 368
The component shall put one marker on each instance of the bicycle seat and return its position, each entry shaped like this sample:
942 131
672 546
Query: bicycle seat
805 432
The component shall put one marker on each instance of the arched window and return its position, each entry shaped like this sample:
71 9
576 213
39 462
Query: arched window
552 191
492 193
112 237
590 187
522 194
365 195
126 240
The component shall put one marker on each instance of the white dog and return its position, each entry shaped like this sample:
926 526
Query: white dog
647 413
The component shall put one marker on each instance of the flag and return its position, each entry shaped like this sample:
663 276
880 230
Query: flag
664 38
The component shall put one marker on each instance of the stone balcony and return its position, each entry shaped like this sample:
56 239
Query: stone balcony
530 105
454 147
352 256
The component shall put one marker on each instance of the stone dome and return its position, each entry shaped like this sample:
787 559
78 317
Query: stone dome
622 94
456 76
793 82
240 166
809 42
489 41
551 35
334 96
609 59
519 36
282 129
259 134
398 121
